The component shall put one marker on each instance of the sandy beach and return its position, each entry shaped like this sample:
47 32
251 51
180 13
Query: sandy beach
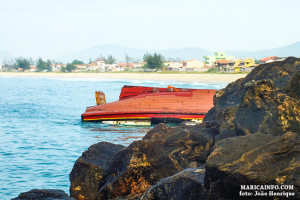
227 78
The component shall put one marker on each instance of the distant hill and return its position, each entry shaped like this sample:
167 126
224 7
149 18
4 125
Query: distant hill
290 50
185 53
119 53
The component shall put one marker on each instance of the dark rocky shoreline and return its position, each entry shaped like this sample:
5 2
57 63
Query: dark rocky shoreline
250 137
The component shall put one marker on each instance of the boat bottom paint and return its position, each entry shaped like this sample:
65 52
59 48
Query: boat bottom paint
137 122
130 122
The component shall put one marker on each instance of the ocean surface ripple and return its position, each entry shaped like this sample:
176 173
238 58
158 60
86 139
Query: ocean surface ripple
42 134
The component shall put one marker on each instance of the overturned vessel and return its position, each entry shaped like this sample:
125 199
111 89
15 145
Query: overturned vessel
138 105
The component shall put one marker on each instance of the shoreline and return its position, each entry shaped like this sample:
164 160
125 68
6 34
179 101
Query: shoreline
187 78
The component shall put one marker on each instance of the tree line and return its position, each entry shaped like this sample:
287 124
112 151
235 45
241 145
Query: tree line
152 61
25 63
40 64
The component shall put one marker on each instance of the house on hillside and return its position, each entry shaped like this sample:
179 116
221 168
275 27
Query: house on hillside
193 65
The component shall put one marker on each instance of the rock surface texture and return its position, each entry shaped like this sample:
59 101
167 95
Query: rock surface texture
43 195
265 101
87 173
256 159
250 137
187 184
163 152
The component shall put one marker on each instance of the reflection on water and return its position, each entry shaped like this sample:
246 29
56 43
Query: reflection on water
120 134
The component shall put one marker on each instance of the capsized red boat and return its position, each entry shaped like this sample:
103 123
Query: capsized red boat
138 105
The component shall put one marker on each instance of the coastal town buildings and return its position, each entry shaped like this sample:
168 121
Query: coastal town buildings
271 59
267 59
80 68
100 62
92 66
139 65
125 65
33 68
189 65
57 67
193 65
210 60
111 68
219 61
249 62
173 65
236 64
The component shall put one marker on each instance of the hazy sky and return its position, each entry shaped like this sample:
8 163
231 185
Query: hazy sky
51 28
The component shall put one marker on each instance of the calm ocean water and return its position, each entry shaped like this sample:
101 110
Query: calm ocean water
42 134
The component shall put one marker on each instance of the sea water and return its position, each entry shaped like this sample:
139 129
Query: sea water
41 132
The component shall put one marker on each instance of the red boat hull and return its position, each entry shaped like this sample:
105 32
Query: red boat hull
154 104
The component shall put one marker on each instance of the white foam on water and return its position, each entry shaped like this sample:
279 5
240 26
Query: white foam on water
152 83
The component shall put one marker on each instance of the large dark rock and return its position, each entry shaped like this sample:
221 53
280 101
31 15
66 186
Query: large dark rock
260 117
187 184
265 101
163 152
44 195
88 170
256 159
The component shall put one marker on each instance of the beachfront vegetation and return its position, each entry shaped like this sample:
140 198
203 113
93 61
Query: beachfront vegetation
77 62
42 65
152 62
68 68
213 70
155 61
22 63
109 59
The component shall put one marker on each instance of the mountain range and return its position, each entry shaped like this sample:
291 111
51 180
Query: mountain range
119 52
184 53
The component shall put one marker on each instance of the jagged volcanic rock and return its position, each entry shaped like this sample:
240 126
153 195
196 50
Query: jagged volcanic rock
44 195
187 184
163 152
88 170
256 159
265 101
260 117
